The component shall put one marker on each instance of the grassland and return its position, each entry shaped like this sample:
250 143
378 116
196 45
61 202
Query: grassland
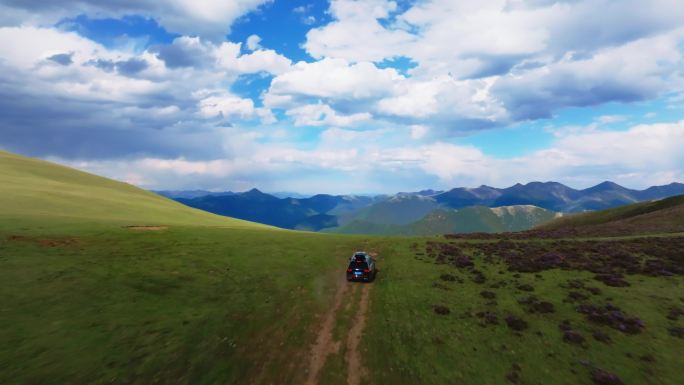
651 217
35 190
205 299
408 342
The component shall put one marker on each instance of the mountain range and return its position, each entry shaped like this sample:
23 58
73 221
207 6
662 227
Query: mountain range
424 212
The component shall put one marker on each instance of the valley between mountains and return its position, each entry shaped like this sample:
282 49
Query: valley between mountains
428 212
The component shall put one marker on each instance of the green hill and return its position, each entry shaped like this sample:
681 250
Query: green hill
398 210
472 219
32 187
661 216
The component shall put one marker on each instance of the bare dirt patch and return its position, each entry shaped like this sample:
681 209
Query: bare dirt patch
58 242
147 228
51 242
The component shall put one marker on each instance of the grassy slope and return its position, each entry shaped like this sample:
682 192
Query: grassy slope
666 215
208 300
34 188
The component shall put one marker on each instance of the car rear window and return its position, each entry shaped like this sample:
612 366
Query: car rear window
358 265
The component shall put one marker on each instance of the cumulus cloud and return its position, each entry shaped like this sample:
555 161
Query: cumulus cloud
323 115
608 75
207 18
221 104
334 79
533 57
253 42
354 19
109 103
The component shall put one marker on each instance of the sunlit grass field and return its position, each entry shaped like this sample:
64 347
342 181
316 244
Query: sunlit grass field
203 299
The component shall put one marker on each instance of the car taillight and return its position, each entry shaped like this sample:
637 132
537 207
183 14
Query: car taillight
349 270
366 271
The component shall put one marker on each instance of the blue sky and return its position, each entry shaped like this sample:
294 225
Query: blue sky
347 96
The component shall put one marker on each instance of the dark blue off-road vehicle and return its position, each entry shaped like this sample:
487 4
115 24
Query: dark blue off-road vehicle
361 267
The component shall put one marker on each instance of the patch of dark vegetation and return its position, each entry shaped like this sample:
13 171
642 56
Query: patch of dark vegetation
487 294
463 261
526 287
573 284
441 309
612 279
573 337
601 337
543 307
516 323
608 259
439 285
447 277
648 358
593 290
535 305
676 331
513 375
602 377
674 313
575 296
528 300
612 316
478 276
565 325
488 317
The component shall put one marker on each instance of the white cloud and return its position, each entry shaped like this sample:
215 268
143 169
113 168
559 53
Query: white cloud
195 53
104 102
253 42
533 56
357 35
217 103
579 159
335 79
323 115
443 99
207 18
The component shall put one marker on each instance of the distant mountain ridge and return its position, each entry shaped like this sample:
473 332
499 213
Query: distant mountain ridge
555 196
407 209
314 213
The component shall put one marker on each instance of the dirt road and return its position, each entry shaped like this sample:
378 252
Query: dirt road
355 369
326 344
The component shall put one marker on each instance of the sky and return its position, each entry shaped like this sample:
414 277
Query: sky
346 96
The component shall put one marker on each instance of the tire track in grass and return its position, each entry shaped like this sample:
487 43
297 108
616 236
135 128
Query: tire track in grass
325 344
355 369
